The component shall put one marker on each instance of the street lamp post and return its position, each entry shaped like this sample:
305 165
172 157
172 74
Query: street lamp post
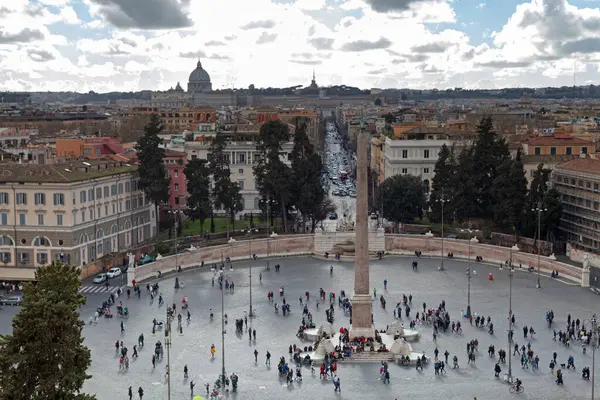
442 200
510 327
539 210
223 273
474 240
594 342
176 216
168 346
268 231
249 232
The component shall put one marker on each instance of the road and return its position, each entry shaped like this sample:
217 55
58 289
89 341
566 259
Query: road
275 333
335 156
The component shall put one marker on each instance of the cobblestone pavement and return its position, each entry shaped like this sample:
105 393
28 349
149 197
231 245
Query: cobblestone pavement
359 381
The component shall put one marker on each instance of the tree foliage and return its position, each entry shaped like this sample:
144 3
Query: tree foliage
402 198
45 357
199 204
273 176
509 193
306 171
442 184
153 177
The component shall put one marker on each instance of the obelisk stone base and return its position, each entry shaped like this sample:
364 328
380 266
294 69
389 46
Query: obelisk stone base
362 324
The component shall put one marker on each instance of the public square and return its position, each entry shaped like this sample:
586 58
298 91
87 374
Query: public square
358 381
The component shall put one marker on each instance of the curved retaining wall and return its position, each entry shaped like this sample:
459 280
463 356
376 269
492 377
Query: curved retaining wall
292 245
432 246
278 246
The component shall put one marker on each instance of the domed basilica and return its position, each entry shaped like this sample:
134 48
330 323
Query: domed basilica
199 81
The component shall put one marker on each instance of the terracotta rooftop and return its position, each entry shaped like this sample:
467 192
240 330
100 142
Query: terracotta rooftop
173 153
63 173
557 139
585 165
549 158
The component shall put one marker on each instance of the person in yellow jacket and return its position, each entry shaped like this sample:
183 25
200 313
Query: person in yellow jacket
212 351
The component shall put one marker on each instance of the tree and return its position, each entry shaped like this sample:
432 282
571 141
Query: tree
464 205
197 174
306 172
442 185
489 152
271 173
234 203
153 178
219 168
509 193
323 209
402 198
45 357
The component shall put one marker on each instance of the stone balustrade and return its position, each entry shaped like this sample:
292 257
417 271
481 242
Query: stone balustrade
432 246
290 245
276 246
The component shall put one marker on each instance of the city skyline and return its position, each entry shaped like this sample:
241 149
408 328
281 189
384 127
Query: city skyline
118 45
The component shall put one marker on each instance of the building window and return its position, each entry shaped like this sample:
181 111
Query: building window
40 219
40 199
42 258
106 210
120 188
176 187
531 173
22 219
83 216
580 183
59 199
5 256
98 193
127 205
569 151
538 151
127 187
87 152
176 200
572 181
552 150
425 153
99 212
4 218
241 185
21 198
91 214
176 173
105 191
82 196
59 219
404 153
74 196
404 170
114 208
588 185
588 203
74 218
135 203
584 150
120 206
596 204
595 187
98 151
24 258
241 171
91 195
425 170
41 241
113 190
241 158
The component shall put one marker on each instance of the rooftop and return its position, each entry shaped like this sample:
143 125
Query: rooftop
546 159
63 173
557 139
585 165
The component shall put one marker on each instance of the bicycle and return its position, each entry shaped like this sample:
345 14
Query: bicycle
513 389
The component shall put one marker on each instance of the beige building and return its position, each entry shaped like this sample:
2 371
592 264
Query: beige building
76 212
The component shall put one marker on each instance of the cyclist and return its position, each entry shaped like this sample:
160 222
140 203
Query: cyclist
518 384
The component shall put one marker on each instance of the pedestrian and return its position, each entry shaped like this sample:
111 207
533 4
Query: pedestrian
130 392
192 384
122 327
268 360
255 356
185 371
141 392
153 361
446 354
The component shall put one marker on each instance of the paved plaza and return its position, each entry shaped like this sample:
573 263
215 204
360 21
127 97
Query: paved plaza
358 381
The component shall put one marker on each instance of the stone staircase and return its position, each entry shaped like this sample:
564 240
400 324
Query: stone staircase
370 357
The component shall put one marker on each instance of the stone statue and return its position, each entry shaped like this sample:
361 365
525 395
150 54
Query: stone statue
131 258
586 261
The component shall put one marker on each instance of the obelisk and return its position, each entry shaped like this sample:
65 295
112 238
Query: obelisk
362 305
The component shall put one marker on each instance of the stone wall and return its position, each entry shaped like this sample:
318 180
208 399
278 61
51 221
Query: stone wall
578 255
326 241
431 246
276 246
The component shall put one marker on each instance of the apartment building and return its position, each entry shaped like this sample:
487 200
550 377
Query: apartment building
75 212
578 182
241 153
557 144
416 151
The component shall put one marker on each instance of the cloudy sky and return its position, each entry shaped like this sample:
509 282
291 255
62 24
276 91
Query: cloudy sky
107 45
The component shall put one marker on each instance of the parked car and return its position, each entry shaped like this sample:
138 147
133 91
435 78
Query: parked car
100 278
113 272
11 301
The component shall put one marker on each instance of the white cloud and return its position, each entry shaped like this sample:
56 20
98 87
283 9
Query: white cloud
537 45
480 5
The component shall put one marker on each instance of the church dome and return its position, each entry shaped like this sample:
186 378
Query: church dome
199 74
